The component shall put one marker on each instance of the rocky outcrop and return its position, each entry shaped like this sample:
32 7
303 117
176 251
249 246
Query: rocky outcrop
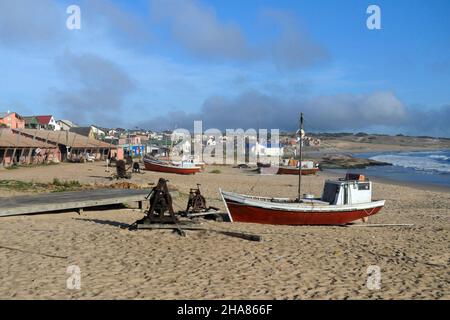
345 161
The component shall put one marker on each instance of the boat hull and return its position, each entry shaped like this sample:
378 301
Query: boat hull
293 170
310 215
152 166
250 214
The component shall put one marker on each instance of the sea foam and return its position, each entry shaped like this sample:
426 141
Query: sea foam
431 162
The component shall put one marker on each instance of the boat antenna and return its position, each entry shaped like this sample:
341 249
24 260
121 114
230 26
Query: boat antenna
300 141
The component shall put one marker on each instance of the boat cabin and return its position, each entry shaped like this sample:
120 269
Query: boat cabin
352 189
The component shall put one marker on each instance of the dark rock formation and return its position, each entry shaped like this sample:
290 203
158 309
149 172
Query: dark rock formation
345 161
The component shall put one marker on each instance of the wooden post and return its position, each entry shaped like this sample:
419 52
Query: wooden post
4 155
21 149
14 156
30 151
46 140
72 147
4 150
21 154
32 160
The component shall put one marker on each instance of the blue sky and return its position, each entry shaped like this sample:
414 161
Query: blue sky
165 63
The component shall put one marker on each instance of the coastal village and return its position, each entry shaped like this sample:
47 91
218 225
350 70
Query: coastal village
27 140
40 139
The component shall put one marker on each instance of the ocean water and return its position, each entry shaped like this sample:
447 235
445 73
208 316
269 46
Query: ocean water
422 167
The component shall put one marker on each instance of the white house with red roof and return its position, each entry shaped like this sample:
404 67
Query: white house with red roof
47 122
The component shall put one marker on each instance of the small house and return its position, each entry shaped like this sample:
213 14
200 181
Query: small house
47 122
31 122
11 120
66 125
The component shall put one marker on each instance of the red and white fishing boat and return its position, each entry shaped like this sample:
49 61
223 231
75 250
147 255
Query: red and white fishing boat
190 159
294 170
153 164
342 201
308 168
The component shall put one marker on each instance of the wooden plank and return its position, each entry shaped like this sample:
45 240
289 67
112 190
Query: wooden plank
68 200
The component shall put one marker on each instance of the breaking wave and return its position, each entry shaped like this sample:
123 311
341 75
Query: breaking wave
439 157
431 162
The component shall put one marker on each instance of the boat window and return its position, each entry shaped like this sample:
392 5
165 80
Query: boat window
329 192
363 186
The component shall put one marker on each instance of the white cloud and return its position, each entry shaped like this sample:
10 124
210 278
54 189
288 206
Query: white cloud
198 29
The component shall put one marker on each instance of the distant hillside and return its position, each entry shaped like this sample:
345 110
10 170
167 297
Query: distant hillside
378 142
337 150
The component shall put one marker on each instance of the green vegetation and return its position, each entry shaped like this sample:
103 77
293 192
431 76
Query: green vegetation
60 186
17 166
18 185
14 166
55 186
217 171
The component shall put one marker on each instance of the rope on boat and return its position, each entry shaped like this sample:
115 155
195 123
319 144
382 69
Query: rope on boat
371 211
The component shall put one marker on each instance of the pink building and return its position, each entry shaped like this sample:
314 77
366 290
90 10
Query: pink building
11 120
132 139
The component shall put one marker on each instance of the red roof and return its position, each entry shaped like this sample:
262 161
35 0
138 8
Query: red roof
43 119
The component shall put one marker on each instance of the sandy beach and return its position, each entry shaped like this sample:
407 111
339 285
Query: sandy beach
290 262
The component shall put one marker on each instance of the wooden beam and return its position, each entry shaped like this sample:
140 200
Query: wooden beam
380 225
202 214
237 234
242 235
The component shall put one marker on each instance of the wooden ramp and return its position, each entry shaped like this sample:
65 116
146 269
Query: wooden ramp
78 200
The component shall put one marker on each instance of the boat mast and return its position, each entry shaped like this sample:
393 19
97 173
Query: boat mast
300 158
